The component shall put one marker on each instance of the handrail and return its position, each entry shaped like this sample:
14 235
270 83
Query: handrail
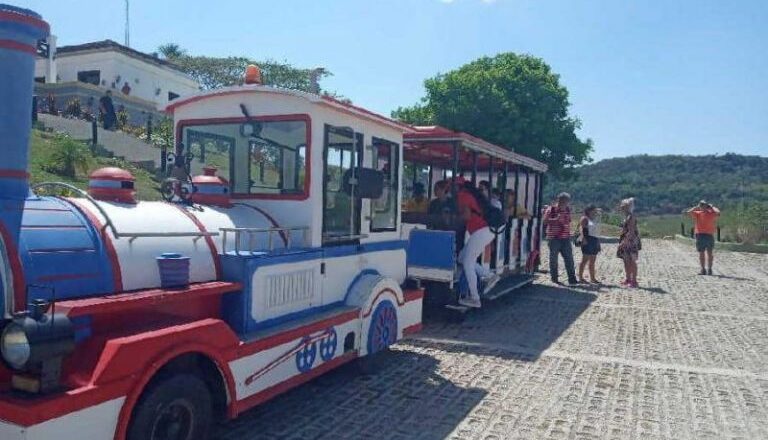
336 238
134 235
253 231
107 219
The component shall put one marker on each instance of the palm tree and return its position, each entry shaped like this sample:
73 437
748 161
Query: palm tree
171 51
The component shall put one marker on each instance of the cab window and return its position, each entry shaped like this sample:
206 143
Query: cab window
258 157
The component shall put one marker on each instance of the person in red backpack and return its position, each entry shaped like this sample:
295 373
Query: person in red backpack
471 213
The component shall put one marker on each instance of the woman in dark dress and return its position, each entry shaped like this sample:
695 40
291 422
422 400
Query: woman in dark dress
590 243
629 242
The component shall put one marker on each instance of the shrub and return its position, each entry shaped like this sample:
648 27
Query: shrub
73 109
68 157
122 119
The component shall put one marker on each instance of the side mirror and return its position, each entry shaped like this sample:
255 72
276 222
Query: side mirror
367 183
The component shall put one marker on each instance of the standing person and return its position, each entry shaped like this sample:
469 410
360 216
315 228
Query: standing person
480 235
107 108
629 242
557 221
590 243
705 224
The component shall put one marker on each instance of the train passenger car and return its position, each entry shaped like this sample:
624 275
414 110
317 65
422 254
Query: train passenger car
434 154
281 259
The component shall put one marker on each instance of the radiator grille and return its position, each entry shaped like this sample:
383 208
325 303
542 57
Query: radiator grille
290 288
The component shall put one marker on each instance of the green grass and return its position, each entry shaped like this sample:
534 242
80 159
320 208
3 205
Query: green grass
43 143
659 226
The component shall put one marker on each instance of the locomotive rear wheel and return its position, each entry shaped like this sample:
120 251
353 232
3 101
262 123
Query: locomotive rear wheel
177 408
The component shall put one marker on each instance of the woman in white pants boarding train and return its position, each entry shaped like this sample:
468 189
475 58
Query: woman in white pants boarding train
480 235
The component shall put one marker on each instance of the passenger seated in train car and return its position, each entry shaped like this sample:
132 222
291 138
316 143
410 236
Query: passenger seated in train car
442 209
485 188
521 212
419 202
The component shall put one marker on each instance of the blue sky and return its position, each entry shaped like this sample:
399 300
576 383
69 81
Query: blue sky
656 77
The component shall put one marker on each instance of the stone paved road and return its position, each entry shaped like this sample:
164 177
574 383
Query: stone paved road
681 358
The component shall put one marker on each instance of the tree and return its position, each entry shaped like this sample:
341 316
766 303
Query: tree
512 100
217 72
171 51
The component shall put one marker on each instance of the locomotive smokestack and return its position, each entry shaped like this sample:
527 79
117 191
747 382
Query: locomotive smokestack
20 29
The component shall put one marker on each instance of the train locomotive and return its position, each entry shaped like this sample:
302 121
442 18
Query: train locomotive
130 319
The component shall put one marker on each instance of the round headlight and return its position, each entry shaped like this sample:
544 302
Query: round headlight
15 346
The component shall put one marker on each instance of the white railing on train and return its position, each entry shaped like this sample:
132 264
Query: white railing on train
251 234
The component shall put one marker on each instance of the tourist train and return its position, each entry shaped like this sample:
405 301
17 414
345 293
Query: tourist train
287 254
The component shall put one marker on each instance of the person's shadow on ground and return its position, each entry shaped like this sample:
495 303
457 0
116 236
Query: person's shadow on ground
523 323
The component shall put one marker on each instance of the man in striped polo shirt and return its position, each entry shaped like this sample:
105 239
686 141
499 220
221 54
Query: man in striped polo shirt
557 221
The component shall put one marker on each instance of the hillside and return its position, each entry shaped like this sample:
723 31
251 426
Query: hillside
667 184
42 166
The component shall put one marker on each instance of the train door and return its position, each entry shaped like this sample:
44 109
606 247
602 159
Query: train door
342 211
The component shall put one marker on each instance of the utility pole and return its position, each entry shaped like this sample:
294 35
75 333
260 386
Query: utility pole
127 26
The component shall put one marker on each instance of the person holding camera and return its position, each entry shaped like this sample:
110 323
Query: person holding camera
557 221
704 217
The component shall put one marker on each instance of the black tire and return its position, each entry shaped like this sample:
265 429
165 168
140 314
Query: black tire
177 408
372 364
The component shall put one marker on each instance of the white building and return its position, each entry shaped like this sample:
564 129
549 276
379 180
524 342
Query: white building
112 66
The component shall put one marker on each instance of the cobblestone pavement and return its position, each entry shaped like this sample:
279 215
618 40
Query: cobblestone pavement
681 358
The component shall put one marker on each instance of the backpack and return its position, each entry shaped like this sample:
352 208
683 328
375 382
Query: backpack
492 215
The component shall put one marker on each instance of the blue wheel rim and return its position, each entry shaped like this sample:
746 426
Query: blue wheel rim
383 327
305 357
328 345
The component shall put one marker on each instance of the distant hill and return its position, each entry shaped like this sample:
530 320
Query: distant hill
667 184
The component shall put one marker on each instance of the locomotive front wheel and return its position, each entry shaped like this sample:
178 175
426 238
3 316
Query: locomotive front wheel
382 332
177 408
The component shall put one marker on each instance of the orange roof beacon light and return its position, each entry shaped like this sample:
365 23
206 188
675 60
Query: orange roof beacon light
252 74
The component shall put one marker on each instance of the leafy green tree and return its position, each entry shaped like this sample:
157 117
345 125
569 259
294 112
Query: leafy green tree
216 72
668 184
511 100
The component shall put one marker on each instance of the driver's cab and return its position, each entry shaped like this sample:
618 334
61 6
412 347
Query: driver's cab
305 161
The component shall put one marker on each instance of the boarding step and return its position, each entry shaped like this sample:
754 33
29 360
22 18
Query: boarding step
297 327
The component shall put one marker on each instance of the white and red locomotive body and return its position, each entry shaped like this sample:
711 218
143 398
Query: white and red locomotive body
279 290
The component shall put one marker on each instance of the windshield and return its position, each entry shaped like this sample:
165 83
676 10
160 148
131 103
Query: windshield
258 157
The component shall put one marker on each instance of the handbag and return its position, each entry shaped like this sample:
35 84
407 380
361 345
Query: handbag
578 239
